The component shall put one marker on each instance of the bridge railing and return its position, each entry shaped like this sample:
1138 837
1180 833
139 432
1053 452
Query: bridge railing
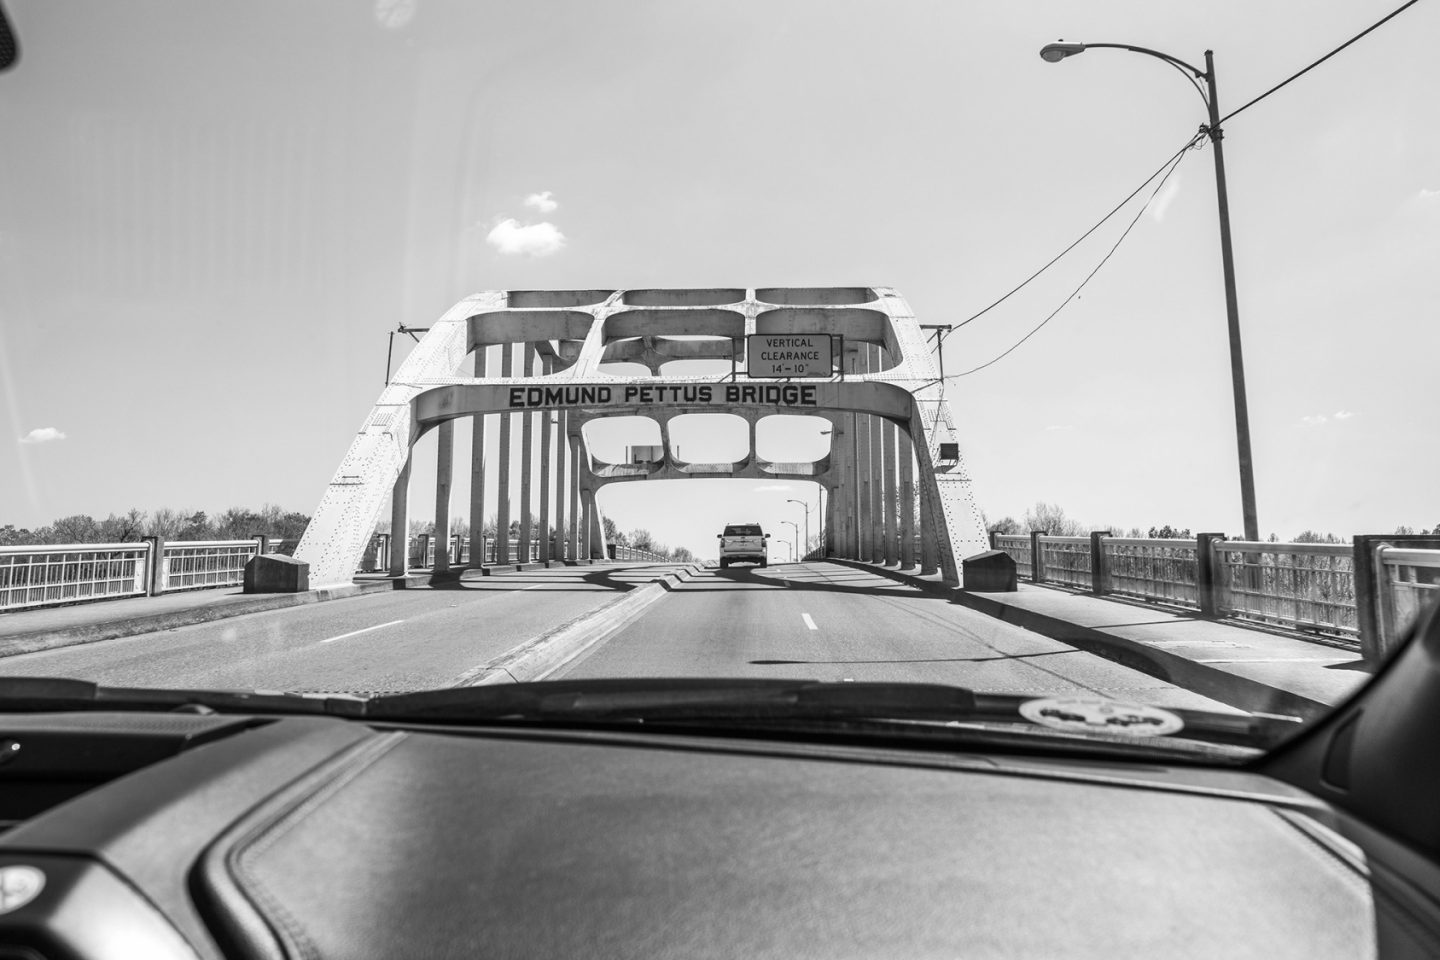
1162 570
1309 587
198 564
1410 579
1306 586
37 576
49 574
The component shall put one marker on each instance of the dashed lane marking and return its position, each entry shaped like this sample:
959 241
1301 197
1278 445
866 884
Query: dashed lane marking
809 622
356 633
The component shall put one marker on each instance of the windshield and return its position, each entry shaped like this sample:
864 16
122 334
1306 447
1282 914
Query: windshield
378 348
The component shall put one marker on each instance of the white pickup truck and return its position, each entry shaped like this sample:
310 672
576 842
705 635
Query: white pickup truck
743 541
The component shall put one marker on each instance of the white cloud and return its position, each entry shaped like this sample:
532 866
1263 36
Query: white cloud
1317 419
544 202
42 435
1168 193
536 239
1344 414
1428 196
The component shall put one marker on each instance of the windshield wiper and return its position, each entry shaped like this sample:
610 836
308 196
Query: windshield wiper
757 702
34 694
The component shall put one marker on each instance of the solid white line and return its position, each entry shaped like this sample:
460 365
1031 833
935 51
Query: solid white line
1278 660
808 622
356 633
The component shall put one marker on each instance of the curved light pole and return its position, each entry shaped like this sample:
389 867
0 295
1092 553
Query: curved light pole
807 525
795 550
1054 53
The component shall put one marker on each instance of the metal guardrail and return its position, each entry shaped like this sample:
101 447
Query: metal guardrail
37 576
200 564
624 552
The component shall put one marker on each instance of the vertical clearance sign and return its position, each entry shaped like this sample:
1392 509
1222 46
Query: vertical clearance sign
789 355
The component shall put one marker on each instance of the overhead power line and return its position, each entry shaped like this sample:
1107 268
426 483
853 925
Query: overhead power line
1170 167
1296 76
1098 224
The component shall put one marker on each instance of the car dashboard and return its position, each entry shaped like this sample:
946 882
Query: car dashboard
188 835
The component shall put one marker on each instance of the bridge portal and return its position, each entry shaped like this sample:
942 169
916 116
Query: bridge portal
893 439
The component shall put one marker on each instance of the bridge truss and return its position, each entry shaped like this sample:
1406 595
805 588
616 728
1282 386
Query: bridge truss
891 427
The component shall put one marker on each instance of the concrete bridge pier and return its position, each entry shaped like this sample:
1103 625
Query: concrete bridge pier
892 532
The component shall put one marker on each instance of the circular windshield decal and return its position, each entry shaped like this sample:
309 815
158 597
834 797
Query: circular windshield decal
1094 715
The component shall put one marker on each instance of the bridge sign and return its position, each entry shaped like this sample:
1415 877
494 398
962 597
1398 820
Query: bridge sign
789 355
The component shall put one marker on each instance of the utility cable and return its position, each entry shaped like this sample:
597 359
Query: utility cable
1173 163
1100 223
1297 76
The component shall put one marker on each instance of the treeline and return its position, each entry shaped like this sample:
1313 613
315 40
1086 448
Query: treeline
236 523
1052 519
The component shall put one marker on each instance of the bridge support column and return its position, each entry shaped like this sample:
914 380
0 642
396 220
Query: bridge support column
477 476
545 488
905 454
400 522
892 532
877 470
929 549
862 467
850 520
562 448
527 466
502 506
444 474
827 518
574 443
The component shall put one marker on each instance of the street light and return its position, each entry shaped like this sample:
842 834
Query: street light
807 524
1054 53
796 527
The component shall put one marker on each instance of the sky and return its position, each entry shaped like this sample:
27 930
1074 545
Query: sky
212 215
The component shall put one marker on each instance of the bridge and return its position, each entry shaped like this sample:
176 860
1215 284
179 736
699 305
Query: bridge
1229 624
892 433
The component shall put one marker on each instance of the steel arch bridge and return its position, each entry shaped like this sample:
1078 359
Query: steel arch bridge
891 425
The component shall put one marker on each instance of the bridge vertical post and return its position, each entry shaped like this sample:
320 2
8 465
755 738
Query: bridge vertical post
842 484
862 469
527 466
444 468
905 454
400 522
502 506
877 470
562 450
574 442
929 546
892 531
477 474
545 490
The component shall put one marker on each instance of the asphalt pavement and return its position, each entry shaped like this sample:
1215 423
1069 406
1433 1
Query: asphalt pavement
413 639
829 622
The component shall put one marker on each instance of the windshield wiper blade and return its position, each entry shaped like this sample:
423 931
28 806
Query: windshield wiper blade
672 698
757 702
32 694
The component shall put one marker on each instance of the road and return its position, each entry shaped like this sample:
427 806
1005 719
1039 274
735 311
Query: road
410 639
816 620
